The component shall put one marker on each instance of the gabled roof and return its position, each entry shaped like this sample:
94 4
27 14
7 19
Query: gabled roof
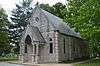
35 34
55 21
59 24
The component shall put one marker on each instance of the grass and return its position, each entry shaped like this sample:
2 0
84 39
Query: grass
92 62
75 60
8 58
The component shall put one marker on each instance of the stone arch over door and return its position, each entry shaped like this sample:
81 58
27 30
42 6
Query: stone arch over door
28 48
28 44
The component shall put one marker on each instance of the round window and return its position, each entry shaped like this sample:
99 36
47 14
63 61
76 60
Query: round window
37 19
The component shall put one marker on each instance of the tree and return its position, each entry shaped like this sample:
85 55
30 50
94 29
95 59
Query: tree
4 39
57 9
20 17
84 15
47 7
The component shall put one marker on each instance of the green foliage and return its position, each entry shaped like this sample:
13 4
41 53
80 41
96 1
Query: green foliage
4 39
84 15
20 17
9 58
47 7
56 9
3 20
92 62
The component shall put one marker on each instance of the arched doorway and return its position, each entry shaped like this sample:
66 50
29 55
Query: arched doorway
28 48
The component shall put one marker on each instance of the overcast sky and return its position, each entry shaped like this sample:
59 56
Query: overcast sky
8 5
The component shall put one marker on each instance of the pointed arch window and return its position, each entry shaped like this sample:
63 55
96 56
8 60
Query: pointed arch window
50 39
64 46
25 48
28 40
51 48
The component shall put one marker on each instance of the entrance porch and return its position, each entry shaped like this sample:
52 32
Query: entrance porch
30 52
33 54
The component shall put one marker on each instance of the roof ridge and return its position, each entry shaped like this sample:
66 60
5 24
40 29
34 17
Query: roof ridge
58 23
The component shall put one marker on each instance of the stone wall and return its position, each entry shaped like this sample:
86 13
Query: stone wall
75 48
51 57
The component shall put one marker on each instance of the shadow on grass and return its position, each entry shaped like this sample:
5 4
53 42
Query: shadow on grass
74 61
91 62
8 58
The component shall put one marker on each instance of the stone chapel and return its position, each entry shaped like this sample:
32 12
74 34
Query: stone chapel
48 39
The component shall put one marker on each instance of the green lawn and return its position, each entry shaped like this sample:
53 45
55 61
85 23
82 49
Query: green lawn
8 58
93 62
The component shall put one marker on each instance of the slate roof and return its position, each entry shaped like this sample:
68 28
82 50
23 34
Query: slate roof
56 22
59 24
36 35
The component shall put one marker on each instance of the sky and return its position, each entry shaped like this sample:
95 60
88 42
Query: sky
8 5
